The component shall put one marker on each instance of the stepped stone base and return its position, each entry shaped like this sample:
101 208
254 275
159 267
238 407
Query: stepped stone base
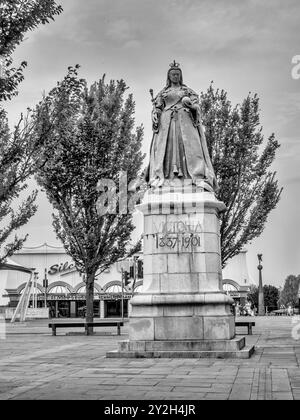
182 310
222 349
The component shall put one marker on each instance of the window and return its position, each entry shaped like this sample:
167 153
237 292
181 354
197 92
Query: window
227 287
82 291
138 289
114 289
59 290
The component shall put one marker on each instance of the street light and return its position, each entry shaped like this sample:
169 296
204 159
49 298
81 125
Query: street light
45 285
125 282
261 304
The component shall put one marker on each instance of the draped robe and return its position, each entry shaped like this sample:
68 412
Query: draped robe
179 146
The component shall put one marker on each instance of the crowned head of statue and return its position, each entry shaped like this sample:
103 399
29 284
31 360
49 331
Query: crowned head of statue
174 77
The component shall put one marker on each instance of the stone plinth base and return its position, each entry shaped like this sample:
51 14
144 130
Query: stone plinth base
198 316
223 349
182 310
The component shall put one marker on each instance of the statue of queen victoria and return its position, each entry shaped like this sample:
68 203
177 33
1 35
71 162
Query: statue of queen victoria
178 149
182 310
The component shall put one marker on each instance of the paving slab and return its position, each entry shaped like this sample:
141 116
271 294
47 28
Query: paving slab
34 365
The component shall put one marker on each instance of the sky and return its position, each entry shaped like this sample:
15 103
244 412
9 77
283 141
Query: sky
242 46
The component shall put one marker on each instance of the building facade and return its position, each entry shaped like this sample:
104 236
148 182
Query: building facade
65 294
236 279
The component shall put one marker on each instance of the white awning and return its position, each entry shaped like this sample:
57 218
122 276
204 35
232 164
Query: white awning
11 265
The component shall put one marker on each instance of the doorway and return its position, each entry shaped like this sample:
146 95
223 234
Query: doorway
113 308
63 309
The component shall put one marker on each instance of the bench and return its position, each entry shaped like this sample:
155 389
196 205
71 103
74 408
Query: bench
248 324
86 325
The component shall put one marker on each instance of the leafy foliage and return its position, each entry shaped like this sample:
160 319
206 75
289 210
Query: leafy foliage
87 137
10 78
17 17
241 163
290 292
17 164
17 147
271 296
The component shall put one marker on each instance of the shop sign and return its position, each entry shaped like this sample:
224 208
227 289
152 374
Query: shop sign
69 296
234 294
82 296
60 268
115 296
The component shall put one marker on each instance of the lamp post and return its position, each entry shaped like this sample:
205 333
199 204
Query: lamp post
122 296
261 305
135 272
45 285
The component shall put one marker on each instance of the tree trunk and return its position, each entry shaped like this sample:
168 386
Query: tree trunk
90 300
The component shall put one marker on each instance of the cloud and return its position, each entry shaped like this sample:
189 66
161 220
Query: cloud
133 44
242 45
120 30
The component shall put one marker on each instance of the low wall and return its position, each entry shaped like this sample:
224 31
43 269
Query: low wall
38 313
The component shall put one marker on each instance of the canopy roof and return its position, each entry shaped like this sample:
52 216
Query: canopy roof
11 265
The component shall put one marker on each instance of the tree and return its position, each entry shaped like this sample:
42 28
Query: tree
241 163
17 17
88 136
253 295
17 159
290 292
17 146
271 296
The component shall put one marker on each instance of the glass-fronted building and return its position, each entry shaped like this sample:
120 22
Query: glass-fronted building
65 295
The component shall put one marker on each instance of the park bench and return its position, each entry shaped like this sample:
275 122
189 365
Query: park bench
248 324
86 325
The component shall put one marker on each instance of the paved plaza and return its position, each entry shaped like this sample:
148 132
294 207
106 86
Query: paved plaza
35 365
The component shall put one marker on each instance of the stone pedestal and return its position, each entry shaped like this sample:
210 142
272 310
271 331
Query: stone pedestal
182 310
